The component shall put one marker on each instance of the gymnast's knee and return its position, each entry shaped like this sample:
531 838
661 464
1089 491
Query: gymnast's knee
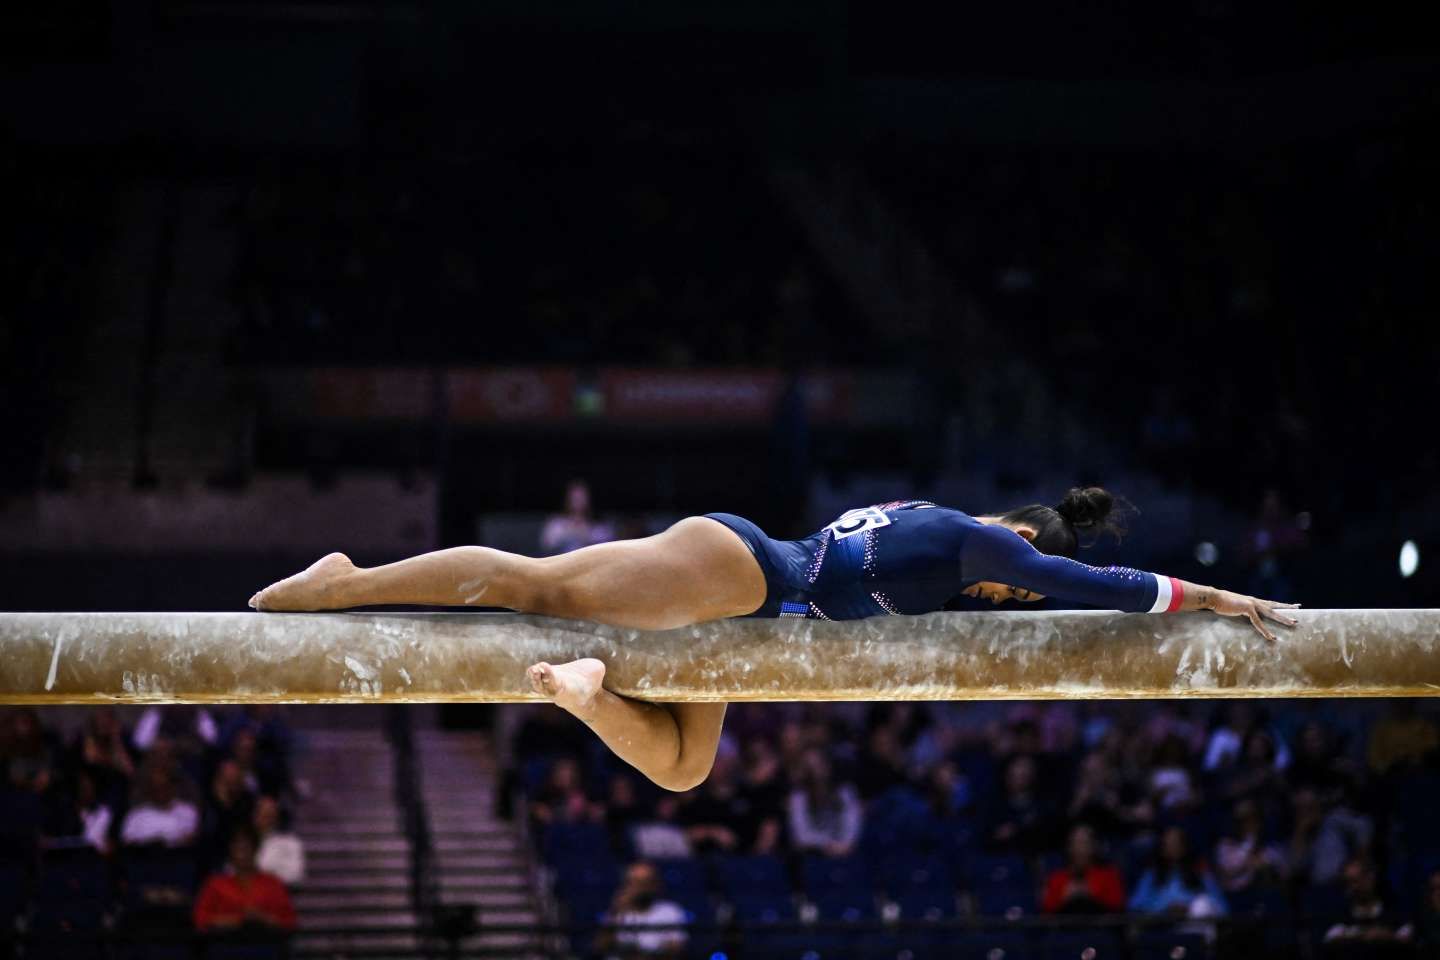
682 777
545 590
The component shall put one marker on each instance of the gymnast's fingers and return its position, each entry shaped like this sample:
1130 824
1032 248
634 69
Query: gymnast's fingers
1254 616
1278 617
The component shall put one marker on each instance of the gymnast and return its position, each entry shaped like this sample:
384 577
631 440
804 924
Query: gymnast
904 557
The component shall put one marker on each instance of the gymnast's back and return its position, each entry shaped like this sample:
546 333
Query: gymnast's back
912 556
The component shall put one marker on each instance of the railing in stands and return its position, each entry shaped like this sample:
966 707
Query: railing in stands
1031 936
424 898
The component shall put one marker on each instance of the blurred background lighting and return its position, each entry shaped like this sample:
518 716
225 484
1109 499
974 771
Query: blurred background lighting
1409 558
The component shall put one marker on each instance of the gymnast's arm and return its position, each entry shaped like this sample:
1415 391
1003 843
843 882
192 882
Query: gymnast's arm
1000 555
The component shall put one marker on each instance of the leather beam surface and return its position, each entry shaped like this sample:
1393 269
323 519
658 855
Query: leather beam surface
353 657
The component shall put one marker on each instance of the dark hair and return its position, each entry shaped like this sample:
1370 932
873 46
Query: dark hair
243 831
1083 511
1189 869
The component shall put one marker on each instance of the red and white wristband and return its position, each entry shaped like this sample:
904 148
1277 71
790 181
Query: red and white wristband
1171 594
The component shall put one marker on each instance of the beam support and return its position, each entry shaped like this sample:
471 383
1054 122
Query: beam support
52 658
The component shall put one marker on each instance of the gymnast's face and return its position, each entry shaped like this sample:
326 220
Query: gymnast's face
998 593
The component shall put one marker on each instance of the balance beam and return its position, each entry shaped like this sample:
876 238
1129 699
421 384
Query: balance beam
53 658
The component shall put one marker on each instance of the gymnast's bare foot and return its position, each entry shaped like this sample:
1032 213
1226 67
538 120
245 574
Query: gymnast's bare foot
572 686
317 587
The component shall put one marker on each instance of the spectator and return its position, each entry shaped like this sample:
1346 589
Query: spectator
1102 799
1021 820
261 771
824 817
661 836
719 816
1172 785
160 817
281 852
562 798
83 820
1256 775
575 527
229 805
1318 764
188 736
1243 857
1404 737
1083 885
243 896
638 903
1228 738
1368 919
26 755
1324 839
763 788
947 792
102 750
1177 883
882 764
624 808
190 727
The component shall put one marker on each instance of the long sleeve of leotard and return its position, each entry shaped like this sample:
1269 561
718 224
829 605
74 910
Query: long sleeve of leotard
1000 555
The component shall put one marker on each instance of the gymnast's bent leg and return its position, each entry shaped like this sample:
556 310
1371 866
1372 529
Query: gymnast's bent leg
696 570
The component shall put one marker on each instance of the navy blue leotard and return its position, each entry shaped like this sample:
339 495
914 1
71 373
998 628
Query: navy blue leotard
911 556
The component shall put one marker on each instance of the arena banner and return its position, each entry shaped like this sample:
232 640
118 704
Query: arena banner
556 395
725 396
510 394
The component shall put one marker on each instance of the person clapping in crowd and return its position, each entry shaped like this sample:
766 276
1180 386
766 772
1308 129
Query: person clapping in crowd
243 897
824 816
1084 884
640 903
1177 882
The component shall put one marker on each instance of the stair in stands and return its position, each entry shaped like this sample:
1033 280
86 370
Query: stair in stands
479 857
357 855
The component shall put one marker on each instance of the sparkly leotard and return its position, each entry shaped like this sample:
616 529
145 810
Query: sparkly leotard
911 556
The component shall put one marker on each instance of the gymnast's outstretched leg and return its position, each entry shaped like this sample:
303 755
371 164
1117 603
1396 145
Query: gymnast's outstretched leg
696 570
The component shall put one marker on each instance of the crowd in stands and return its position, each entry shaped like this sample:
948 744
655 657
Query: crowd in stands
1313 819
177 824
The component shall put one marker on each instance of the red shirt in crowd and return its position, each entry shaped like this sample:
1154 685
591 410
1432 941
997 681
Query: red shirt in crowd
1102 881
228 900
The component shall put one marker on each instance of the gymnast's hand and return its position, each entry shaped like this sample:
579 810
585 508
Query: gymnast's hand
1230 604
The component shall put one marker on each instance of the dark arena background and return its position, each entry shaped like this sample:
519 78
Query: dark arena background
284 278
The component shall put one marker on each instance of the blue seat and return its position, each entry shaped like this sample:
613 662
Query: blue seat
741 876
1096 944
1004 900
904 872
683 878
1001 885
597 877
78 874
830 874
1169 945
1258 902
60 915
568 842
763 908
926 903
697 905
987 945
160 886
848 905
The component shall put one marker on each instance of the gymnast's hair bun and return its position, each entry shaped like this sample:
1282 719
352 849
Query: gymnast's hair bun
1085 507
1093 512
